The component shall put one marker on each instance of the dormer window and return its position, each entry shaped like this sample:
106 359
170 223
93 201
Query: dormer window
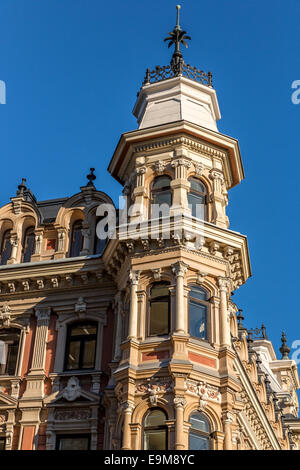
6 247
76 239
28 245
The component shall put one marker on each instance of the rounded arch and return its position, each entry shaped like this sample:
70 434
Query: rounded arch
210 413
144 405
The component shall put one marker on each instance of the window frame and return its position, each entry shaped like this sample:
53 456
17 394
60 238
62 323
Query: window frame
197 432
3 439
82 341
162 190
154 428
76 222
30 229
207 304
200 194
167 284
72 436
5 237
16 370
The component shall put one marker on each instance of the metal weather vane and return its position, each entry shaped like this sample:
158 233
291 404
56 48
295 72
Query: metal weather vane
177 37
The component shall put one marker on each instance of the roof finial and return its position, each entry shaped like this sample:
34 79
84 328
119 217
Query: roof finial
21 187
284 348
91 177
178 8
177 37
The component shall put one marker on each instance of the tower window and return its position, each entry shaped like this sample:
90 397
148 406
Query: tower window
6 247
28 245
76 239
9 348
161 196
81 346
197 199
199 435
155 430
159 321
198 307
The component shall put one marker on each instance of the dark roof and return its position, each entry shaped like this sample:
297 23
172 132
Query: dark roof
49 209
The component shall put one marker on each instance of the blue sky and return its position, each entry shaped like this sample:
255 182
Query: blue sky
72 69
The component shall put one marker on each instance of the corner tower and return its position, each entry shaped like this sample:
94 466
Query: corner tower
176 270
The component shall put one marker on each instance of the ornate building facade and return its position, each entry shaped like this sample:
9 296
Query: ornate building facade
136 343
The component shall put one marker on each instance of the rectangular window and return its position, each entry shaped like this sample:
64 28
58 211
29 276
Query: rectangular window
73 442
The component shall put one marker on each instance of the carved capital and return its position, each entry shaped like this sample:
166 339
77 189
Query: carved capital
134 277
43 314
180 268
179 402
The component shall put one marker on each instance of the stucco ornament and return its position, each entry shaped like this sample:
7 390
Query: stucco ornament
5 313
80 307
72 390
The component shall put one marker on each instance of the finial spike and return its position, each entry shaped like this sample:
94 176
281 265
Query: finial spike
285 350
21 187
91 177
178 9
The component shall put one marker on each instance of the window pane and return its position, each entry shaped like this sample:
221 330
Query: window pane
197 205
73 443
197 320
197 442
12 356
155 440
155 418
159 318
77 239
29 242
73 355
2 443
164 197
198 293
84 329
199 421
196 185
9 346
161 182
89 349
159 290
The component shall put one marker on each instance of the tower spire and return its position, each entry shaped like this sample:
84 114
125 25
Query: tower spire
177 37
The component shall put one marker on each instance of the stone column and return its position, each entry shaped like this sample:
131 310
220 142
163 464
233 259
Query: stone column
218 198
134 280
180 184
39 351
14 249
86 233
224 323
128 409
179 403
118 326
139 194
179 270
227 421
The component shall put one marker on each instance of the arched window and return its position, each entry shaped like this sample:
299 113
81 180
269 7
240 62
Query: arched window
161 195
28 245
159 318
99 244
198 308
5 247
197 199
81 346
155 430
9 348
76 239
199 435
